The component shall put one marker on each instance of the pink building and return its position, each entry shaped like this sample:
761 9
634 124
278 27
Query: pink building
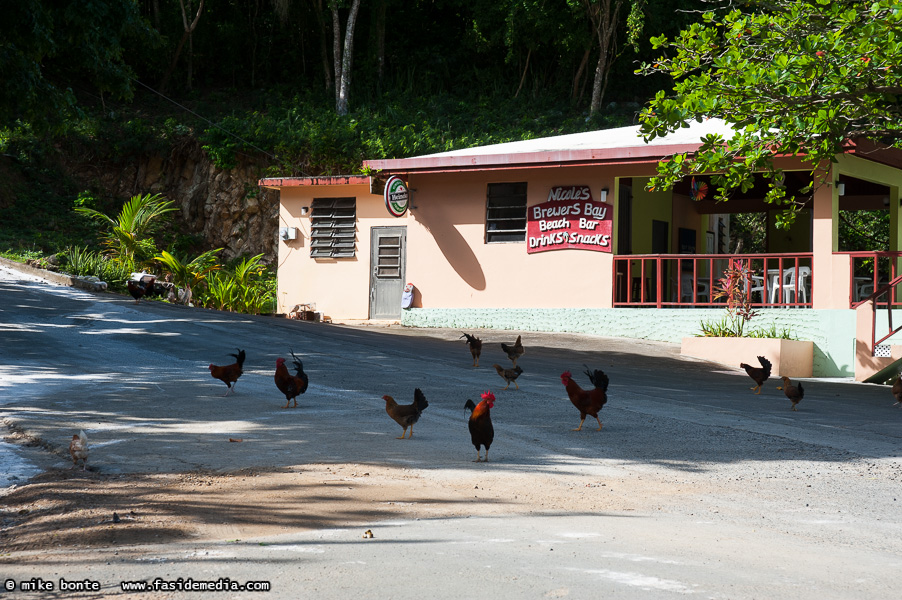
560 234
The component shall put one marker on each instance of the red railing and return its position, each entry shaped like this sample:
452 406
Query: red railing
684 280
870 271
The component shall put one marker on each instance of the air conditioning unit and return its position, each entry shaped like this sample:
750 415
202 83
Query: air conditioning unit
288 233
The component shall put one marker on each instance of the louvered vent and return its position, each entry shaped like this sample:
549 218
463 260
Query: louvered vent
333 225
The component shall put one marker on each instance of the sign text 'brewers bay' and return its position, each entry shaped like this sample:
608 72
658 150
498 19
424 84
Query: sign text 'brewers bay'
569 219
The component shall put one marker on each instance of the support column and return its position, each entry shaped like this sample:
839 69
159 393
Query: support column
830 273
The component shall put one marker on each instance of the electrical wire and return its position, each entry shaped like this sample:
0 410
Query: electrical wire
202 118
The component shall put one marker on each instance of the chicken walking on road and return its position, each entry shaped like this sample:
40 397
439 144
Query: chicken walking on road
406 415
793 391
758 374
588 402
482 434
229 374
291 385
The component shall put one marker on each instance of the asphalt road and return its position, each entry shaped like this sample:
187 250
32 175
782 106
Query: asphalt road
728 494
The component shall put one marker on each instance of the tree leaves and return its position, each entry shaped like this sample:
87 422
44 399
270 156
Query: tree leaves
791 77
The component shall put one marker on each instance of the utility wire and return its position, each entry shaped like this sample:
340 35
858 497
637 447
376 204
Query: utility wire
185 108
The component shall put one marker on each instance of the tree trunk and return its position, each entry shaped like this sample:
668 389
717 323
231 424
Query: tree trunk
336 51
178 50
380 44
324 46
347 60
603 15
576 92
525 69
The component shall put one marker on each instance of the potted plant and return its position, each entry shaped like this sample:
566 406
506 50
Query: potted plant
729 341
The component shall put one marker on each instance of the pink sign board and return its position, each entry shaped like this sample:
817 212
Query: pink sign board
569 219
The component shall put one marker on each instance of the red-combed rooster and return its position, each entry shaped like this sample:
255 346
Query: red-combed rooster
229 374
291 385
481 431
588 402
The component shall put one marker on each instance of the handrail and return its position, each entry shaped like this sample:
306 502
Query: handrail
872 298
884 267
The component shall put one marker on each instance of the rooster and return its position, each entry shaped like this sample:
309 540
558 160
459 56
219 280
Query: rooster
475 345
406 415
758 374
78 449
291 385
588 402
143 287
229 374
481 431
509 375
794 392
513 352
897 391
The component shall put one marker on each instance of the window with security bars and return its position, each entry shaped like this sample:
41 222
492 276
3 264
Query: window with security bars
505 213
333 227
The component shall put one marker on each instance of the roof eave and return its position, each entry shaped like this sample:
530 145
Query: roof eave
555 158
276 183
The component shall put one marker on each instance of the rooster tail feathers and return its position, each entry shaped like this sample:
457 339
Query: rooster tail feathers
601 380
298 365
420 400
239 358
82 437
801 390
765 363
470 406
598 378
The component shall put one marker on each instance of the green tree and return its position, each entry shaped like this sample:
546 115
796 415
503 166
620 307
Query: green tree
129 235
791 77
50 50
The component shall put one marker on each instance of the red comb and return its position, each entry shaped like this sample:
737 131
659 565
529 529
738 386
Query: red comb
488 396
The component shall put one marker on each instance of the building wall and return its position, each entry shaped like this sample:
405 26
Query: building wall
648 207
452 267
338 287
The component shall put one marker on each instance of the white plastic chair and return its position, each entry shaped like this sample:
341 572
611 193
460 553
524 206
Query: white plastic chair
686 287
789 285
758 287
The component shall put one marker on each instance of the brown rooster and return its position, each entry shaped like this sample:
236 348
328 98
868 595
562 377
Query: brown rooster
513 352
509 375
406 415
588 402
291 385
475 345
229 374
794 392
758 374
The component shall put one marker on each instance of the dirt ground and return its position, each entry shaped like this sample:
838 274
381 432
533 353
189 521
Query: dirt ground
69 510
